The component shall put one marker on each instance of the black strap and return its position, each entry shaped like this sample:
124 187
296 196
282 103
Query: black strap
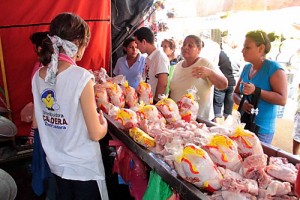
254 101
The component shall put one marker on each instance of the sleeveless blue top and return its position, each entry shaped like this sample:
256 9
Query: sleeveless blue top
266 111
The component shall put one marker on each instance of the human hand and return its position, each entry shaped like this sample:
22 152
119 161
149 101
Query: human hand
249 88
247 107
102 119
201 72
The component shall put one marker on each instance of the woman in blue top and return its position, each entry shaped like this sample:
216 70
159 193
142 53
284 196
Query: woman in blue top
132 64
268 76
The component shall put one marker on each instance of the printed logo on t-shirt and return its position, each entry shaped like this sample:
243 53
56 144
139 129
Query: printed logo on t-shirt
51 116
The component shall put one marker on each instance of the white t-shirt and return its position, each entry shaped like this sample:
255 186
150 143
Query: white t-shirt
156 63
183 80
70 153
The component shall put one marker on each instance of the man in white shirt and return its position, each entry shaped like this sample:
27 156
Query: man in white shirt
157 64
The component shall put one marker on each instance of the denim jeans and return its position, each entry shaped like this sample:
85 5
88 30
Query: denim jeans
266 138
223 97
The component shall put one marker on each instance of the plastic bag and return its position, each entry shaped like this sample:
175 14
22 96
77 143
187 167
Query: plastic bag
131 168
157 189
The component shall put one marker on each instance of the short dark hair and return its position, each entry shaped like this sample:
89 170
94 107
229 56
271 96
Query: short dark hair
144 33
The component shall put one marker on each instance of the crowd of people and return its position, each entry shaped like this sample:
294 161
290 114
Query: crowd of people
219 83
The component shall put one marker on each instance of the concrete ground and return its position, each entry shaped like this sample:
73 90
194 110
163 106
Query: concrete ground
283 137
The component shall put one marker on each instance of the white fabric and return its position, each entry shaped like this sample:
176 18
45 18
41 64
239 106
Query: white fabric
183 80
157 63
64 136
70 49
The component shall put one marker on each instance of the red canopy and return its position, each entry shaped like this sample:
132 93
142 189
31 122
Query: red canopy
19 20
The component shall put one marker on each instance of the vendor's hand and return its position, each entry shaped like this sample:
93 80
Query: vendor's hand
247 107
201 72
249 88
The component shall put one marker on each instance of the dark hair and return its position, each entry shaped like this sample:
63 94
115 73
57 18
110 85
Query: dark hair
38 37
67 26
171 43
127 42
260 37
197 40
144 33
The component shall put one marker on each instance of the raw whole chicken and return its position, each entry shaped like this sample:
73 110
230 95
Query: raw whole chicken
125 117
195 166
101 96
131 97
145 93
168 109
116 94
223 151
248 142
188 106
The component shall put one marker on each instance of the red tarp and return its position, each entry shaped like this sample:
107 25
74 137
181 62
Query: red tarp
18 20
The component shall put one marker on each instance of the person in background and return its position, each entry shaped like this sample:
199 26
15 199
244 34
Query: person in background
37 40
169 47
132 64
265 74
199 72
295 61
296 135
27 112
224 97
157 64
210 49
65 111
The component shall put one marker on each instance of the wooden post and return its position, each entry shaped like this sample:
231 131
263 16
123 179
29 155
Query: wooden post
4 81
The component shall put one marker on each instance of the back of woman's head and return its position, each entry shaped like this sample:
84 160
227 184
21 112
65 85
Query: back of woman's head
67 26
38 37
260 37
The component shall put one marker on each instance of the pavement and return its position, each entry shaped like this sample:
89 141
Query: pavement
283 137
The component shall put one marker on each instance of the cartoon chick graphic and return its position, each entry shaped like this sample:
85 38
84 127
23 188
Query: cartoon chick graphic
48 101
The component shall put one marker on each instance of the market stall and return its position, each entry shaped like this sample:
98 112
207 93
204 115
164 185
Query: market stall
185 189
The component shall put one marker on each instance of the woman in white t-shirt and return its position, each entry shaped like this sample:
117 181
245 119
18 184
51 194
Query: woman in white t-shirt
195 71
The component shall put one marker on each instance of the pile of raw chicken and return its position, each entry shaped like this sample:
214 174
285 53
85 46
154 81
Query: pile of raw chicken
224 162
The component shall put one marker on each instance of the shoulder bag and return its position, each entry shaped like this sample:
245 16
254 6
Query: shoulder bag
249 119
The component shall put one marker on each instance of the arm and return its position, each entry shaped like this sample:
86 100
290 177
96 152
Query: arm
217 79
96 125
161 85
236 96
278 83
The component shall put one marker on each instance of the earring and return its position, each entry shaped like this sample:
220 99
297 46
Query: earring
78 56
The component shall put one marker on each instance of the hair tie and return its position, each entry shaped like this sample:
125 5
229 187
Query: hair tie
70 49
